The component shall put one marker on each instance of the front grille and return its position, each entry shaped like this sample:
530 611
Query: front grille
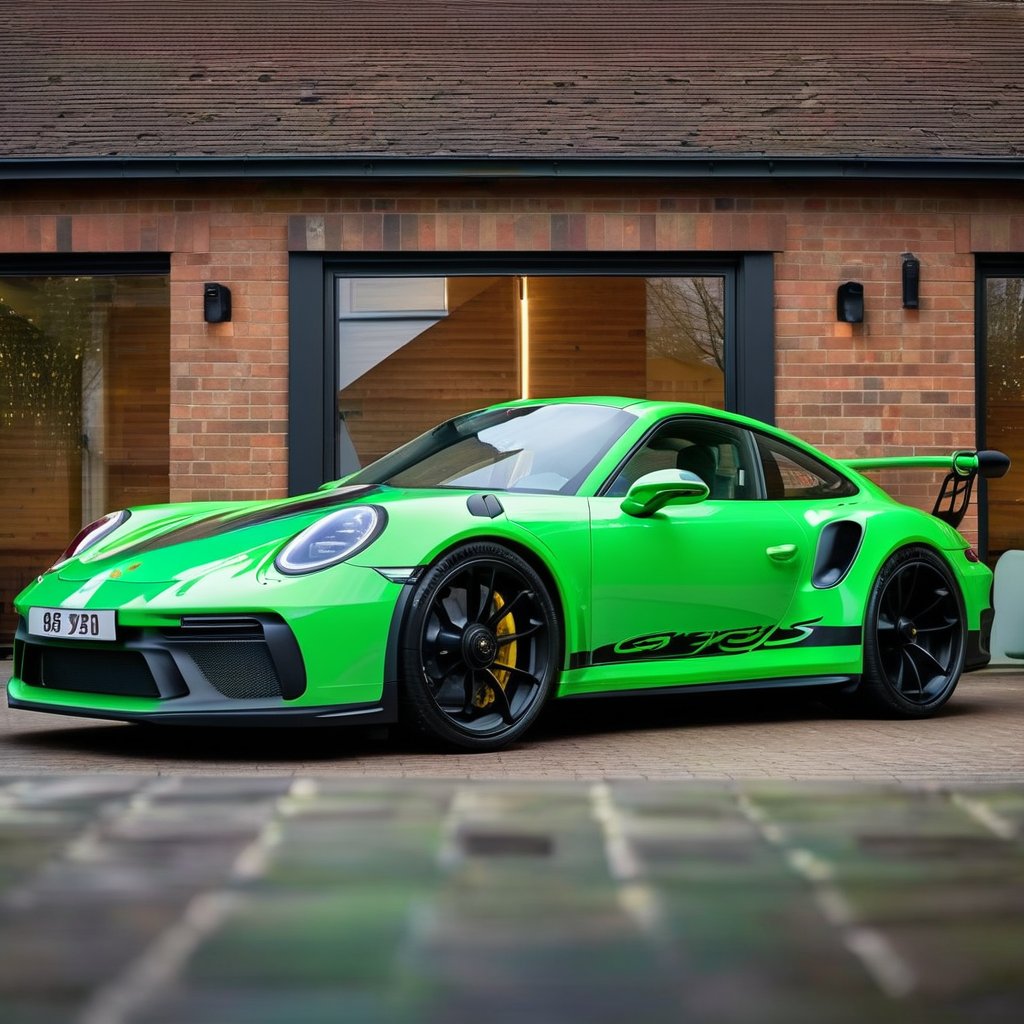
118 673
237 669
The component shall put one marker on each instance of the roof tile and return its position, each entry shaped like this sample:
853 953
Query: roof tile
512 78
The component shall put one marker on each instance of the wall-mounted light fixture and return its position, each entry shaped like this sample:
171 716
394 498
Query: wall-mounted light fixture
911 280
850 303
216 303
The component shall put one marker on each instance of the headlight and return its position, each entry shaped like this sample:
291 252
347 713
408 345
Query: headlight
331 540
90 535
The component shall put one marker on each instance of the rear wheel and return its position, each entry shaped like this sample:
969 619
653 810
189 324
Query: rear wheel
914 636
479 649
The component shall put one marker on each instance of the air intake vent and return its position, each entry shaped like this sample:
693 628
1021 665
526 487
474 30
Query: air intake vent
215 627
837 548
118 673
239 670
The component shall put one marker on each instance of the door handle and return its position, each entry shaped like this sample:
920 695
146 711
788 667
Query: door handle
781 552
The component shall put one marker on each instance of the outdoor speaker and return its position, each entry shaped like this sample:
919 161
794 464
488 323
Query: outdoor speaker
911 280
850 303
216 303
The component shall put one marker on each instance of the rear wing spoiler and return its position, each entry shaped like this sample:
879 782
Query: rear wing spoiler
962 468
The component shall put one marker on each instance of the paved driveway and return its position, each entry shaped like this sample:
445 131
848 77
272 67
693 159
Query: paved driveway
979 737
704 859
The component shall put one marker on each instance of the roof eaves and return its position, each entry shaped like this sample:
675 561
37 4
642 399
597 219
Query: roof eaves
476 168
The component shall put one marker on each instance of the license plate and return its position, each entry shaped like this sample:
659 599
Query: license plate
66 624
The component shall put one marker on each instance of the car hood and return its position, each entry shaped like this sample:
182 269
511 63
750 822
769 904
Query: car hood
175 541
163 544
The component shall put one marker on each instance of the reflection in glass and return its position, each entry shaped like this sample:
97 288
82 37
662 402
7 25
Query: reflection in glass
416 350
686 339
1004 409
84 408
539 449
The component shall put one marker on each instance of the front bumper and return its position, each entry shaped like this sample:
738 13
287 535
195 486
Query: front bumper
323 655
210 670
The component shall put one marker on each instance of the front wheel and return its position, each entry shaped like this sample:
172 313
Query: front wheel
479 649
914 636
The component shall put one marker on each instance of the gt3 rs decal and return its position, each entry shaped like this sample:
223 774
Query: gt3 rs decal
711 643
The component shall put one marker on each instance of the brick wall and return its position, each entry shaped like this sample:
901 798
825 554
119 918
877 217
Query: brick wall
903 380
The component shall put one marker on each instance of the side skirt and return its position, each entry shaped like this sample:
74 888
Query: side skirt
752 684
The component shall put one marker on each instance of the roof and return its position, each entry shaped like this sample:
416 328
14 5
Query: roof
512 80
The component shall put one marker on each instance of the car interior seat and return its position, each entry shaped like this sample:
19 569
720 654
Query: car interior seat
699 459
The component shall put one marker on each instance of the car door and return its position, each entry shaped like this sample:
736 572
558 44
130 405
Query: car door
694 593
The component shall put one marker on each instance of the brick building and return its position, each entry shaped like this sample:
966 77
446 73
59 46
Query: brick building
422 207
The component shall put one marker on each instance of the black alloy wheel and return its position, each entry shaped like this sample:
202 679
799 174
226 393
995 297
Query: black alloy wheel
915 638
480 648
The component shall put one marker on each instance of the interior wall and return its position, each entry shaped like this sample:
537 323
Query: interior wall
587 336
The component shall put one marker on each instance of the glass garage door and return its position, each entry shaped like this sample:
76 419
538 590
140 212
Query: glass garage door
416 350
1001 329
84 411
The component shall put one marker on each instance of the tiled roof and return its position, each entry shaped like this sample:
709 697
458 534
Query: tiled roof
512 79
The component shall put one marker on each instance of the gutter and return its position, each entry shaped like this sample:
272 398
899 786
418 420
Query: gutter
489 168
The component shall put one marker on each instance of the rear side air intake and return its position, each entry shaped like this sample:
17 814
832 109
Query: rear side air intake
837 550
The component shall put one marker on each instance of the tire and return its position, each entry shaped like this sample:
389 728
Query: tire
915 637
479 650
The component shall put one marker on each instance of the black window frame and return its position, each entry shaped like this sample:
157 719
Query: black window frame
313 435
121 264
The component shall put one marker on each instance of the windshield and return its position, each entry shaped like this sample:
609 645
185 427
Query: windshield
546 449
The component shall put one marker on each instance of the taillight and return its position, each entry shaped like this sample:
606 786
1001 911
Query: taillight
971 555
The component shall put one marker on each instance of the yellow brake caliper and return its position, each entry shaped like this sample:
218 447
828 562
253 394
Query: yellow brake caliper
507 655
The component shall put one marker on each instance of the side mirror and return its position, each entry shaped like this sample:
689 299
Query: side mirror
667 486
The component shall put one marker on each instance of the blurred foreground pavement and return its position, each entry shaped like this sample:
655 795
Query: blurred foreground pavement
271 899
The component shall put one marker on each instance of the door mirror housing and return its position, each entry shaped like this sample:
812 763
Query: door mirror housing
654 491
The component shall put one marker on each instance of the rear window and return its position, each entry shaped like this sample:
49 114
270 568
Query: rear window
793 475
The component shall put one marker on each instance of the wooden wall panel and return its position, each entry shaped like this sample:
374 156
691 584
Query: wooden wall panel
587 336
137 406
670 380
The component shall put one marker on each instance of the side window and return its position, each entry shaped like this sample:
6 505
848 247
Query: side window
793 475
717 452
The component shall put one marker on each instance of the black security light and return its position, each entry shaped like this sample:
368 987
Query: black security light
216 303
911 280
850 303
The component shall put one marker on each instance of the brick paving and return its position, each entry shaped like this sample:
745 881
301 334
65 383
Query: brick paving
979 736
164 899
696 860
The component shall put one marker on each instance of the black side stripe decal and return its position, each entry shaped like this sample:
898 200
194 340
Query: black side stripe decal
715 643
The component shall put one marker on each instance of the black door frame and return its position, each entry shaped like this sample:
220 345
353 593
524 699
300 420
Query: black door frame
986 266
312 349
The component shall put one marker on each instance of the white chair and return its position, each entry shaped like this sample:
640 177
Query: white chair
1008 628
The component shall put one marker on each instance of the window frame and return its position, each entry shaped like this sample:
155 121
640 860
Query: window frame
747 435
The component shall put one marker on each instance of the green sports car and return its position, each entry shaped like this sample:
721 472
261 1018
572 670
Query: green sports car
528 551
